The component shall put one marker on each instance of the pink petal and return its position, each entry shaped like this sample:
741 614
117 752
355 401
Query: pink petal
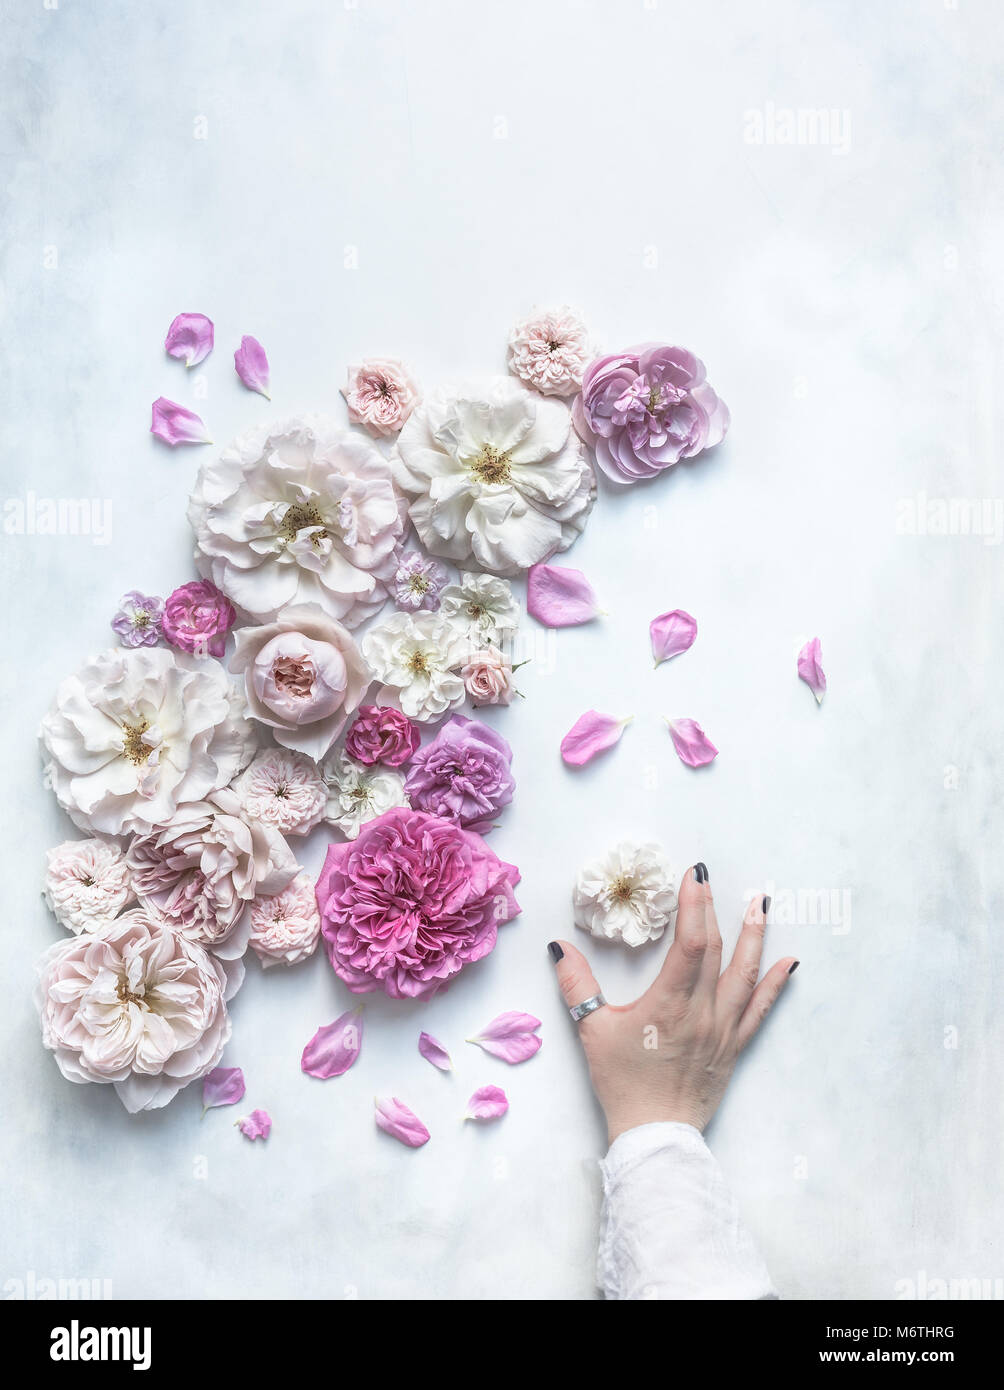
671 633
333 1049
175 425
433 1051
257 1125
396 1119
511 1036
190 337
487 1103
222 1086
692 744
810 668
560 597
252 366
591 733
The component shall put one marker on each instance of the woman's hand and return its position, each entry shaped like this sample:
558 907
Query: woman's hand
669 1055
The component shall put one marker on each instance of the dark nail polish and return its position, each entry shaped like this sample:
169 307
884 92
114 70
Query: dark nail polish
793 968
697 874
703 868
766 906
555 950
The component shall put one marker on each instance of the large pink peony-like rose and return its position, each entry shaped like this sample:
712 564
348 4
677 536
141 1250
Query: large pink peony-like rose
410 902
644 409
134 1005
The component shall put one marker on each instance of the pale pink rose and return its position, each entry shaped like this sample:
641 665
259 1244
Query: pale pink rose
549 351
380 395
285 929
284 789
487 677
135 1005
303 675
87 883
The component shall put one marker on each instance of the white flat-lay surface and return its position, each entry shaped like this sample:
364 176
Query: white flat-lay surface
406 179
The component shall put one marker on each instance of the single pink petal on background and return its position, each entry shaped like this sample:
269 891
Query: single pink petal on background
257 1125
487 1103
692 744
251 366
433 1051
671 634
222 1086
810 668
591 733
560 597
400 1122
190 338
333 1048
511 1036
175 425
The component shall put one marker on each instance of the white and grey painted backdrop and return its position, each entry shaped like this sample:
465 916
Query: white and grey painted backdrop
806 194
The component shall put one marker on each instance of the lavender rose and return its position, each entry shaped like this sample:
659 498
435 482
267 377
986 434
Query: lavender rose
463 775
197 618
381 734
410 902
644 409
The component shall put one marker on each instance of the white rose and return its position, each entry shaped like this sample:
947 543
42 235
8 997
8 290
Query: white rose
629 894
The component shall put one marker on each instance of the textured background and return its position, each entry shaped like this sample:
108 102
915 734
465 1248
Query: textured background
365 178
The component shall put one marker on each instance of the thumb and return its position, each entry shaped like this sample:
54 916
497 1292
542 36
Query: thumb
575 974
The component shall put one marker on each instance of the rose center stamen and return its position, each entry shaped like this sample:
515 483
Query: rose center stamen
133 746
622 889
297 516
418 584
126 995
653 399
418 665
492 465
141 618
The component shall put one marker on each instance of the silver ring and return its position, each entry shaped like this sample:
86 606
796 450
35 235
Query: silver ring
588 1006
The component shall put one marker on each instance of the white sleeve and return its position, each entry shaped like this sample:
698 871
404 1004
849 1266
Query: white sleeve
670 1227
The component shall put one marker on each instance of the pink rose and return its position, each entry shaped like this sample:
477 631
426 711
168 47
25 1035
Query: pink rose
380 395
197 618
303 676
381 734
487 677
410 902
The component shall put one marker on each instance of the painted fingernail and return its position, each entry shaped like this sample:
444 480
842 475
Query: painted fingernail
697 873
704 873
555 950
793 968
766 906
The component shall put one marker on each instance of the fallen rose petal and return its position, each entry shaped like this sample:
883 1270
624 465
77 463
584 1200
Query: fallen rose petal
222 1086
560 597
692 744
810 668
591 733
487 1103
257 1125
190 338
175 425
251 365
433 1051
511 1036
671 634
396 1119
333 1049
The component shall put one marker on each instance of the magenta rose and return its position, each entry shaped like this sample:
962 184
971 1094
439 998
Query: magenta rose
381 734
463 775
643 410
197 618
410 902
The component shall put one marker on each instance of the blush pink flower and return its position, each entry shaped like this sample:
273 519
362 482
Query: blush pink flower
381 734
644 409
410 902
487 677
285 929
197 618
380 395
549 350
87 883
284 789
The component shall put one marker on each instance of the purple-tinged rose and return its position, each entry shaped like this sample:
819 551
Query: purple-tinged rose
410 902
197 618
463 775
419 581
382 734
138 619
303 675
643 410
